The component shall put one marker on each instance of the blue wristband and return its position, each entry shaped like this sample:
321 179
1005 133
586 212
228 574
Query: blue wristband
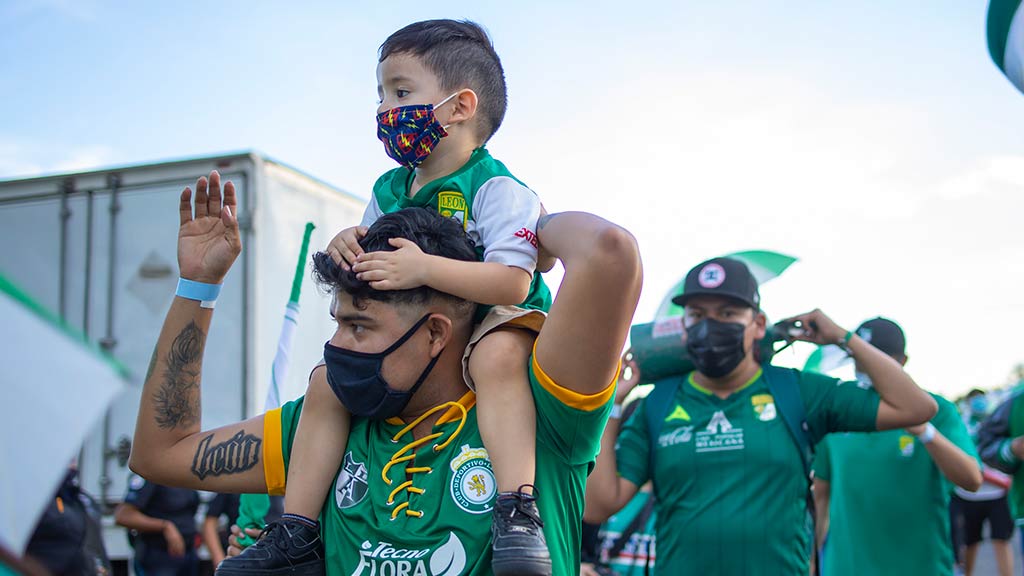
206 294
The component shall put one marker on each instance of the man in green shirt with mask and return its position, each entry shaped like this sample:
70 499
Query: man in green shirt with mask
870 488
730 479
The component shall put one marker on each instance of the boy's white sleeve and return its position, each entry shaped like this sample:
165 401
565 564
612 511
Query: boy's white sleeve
372 212
506 214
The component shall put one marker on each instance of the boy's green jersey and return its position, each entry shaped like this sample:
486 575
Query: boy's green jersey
497 211
889 506
423 507
729 477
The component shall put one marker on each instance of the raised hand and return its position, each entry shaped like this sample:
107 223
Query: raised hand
208 241
626 384
817 328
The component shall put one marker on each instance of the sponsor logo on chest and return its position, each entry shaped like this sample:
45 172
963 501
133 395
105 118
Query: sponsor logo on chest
386 559
473 487
719 436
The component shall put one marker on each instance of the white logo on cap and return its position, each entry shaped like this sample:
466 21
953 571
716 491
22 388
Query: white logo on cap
711 276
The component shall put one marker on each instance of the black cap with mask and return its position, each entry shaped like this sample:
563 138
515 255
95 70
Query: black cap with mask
885 335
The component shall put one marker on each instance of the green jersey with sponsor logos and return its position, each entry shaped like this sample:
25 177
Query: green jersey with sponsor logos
729 477
889 508
498 212
407 507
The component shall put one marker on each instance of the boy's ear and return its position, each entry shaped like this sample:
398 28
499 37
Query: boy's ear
464 106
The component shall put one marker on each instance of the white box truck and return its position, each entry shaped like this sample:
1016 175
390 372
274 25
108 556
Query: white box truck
99 249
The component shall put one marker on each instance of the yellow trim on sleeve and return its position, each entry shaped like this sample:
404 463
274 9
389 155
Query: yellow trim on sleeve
273 454
572 398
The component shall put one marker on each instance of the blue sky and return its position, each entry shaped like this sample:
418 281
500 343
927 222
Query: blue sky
874 140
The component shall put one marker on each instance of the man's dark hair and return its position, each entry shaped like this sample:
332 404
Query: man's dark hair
975 392
433 233
461 55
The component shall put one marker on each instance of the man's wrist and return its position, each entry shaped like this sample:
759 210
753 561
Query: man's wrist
203 292
928 434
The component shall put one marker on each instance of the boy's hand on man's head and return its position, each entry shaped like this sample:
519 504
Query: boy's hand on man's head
344 248
402 269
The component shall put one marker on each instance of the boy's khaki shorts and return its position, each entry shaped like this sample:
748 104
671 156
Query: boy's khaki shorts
501 317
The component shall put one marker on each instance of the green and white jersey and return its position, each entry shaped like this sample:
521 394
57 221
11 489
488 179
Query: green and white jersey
640 550
422 507
889 511
498 212
729 476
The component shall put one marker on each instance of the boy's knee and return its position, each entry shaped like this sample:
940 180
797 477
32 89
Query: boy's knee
501 353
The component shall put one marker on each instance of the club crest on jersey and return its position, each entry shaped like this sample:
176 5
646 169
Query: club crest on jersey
351 487
452 205
907 445
764 407
473 485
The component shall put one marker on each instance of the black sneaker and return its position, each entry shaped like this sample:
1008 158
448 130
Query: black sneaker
285 548
516 537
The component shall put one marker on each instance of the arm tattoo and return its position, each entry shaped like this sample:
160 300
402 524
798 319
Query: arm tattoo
544 220
177 400
233 456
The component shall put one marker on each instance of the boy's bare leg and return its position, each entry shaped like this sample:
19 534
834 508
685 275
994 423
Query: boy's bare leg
293 546
318 449
507 420
505 412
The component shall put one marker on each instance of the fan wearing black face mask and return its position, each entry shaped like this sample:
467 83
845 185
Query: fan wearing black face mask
729 445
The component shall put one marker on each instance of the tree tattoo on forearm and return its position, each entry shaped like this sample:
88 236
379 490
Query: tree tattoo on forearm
177 399
233 456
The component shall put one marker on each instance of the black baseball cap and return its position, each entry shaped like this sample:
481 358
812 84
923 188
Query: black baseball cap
727 277
885 335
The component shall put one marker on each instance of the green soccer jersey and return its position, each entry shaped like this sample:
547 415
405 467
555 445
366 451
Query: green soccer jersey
729 476
405 507
889 510
498 212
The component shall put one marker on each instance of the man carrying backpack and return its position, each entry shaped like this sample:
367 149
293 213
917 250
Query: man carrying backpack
728 445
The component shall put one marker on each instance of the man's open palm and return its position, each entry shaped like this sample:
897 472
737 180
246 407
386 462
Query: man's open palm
208 241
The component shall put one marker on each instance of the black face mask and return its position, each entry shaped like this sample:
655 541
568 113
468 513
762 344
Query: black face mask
356 380
716 348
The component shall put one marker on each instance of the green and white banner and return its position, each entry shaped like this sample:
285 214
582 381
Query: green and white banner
1006 38
55 386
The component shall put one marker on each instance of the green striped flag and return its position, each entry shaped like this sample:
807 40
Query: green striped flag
1006 38
55 386
764 265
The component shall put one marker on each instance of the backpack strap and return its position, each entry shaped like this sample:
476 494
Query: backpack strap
657 405
784 385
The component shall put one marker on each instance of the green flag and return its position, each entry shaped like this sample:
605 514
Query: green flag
1006 38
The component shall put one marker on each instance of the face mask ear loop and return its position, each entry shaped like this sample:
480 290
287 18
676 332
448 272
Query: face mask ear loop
443 102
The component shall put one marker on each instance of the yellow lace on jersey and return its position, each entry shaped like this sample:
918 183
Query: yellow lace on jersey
408 453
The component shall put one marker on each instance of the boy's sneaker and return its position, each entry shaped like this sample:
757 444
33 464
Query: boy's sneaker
517 540
285 548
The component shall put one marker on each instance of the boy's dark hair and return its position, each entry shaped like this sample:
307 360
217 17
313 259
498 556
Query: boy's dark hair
433 233
462 55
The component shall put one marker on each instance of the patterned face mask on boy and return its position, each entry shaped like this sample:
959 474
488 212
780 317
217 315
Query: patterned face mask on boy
409 133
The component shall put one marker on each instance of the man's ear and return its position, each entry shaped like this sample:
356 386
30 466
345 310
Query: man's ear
761 324
463 107
439 328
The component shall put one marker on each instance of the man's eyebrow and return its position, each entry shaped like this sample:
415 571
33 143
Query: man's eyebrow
397 79
354 317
